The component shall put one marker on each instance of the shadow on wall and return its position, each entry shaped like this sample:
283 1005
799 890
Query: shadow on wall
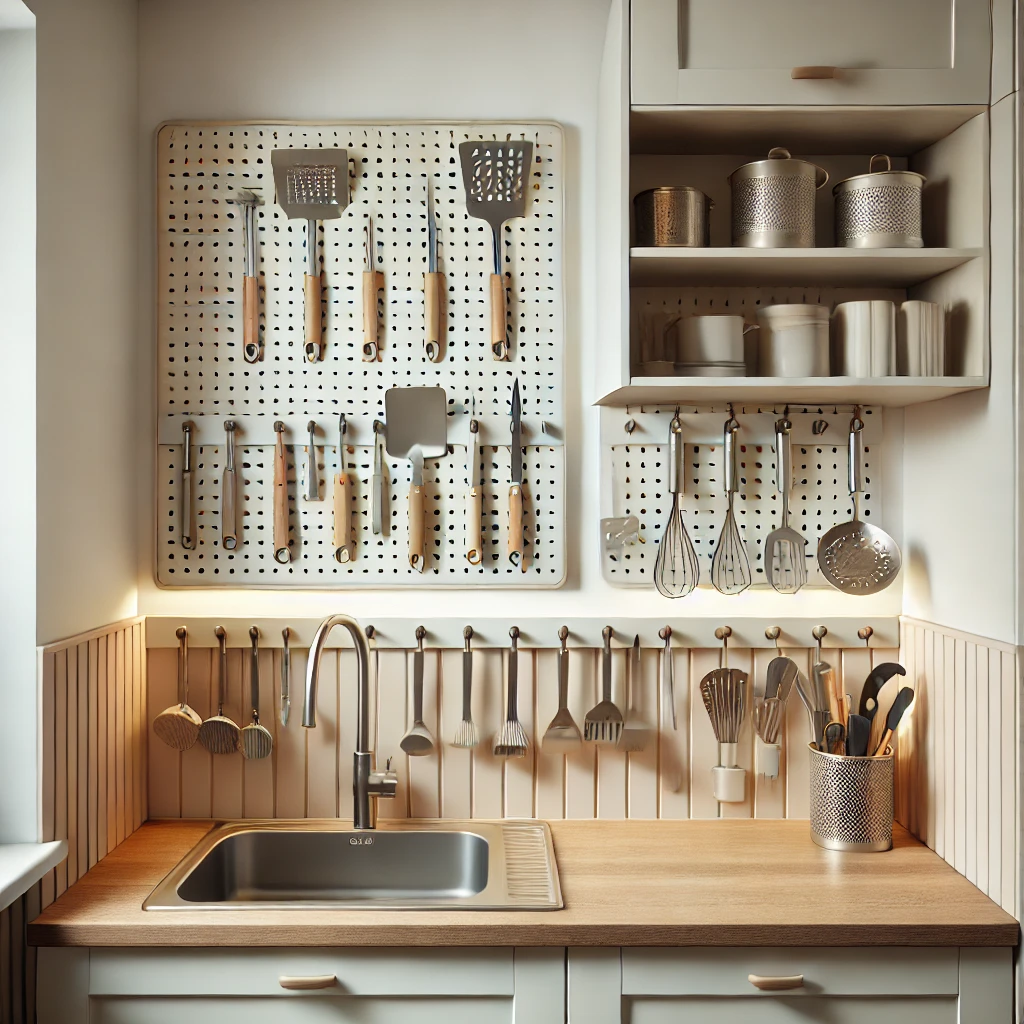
917 579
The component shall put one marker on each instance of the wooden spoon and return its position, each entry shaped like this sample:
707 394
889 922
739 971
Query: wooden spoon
178 726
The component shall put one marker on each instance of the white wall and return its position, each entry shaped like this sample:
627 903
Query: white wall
18 364
251 59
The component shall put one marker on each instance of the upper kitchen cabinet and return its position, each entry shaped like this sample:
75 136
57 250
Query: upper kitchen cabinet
810 52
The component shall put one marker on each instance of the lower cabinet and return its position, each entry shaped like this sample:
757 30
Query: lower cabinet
315 986
734 985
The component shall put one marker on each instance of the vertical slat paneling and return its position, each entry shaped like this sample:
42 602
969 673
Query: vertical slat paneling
581 766
995 780
550 768
960 756
120 739
674 744
456 766
259 773
227 769
49 766
168 679
138 733
163 782
611 762
742 659
60 765
290 748
82 772
391 682
424 769
129 735
1008 773
947 743
703 745
71 775
487 769
797 736
323 742
642 766
195 762
934 833
93 804
981 795
518 802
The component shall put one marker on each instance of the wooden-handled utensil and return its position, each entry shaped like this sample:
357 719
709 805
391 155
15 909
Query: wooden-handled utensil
344 545
218 733
178 725
435 299
188 481
373 282
496 176
311 490
229 491
516 544
474 499
248 201
257 741
282 552
899 707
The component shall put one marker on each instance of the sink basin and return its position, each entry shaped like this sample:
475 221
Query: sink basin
474 865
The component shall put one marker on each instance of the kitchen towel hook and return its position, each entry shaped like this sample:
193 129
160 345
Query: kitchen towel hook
773 633
723 633
819 633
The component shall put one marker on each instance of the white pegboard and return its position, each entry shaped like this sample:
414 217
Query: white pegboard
204 378
635 471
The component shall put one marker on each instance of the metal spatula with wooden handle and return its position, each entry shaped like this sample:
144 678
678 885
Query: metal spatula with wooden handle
496 175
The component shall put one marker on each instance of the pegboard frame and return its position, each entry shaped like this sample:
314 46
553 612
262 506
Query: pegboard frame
211 298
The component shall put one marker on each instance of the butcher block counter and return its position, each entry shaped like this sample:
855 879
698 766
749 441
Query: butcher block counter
625 883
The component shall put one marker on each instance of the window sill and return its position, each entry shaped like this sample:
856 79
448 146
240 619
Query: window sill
23 864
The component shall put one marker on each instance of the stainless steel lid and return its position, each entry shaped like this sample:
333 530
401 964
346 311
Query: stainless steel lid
874 178
781 163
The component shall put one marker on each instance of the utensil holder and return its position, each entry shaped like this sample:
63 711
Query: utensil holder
729 784
766 757
851 801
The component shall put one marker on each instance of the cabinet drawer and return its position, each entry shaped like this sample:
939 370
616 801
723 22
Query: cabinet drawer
877 1010
257 972
874 971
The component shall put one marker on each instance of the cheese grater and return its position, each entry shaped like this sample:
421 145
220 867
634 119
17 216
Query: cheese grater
312 185
496 175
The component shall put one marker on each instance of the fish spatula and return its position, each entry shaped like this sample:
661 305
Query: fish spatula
496 175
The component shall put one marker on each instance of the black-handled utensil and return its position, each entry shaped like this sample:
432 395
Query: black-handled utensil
858 732
877 678
899 706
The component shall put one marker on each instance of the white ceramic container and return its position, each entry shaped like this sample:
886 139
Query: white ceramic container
793 341
921 339
864 338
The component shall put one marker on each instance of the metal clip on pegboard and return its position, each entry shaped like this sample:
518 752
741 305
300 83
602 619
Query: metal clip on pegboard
425 307
635 502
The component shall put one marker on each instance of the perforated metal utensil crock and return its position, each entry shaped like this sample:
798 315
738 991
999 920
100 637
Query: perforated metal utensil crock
773 202
880 209
851 801
672 215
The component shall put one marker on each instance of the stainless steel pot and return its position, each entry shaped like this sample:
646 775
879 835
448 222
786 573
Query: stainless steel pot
773 202
880 209
672 215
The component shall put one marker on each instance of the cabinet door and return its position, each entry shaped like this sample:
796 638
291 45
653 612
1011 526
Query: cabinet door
743 52
790 1011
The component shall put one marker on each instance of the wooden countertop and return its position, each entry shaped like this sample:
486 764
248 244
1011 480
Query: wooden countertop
625 883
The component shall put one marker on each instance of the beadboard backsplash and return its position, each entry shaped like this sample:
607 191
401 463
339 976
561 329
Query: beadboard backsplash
310 771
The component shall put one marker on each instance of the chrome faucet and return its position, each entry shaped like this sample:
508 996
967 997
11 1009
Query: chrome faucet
368 785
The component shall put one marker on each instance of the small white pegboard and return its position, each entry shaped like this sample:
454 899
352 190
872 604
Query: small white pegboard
635 475
203 377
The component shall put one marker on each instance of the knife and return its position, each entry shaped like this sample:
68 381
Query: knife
474 512
188 512
373 281
377 482
229 492
416 508
286 677
344 547
282 553
433 290
515 494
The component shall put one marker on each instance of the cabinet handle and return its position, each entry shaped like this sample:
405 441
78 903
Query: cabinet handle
308 982
814 71
776 984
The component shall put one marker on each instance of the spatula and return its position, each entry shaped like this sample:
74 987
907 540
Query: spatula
603 723
417 429
312 185
219 734
496 175
563 734
784 549
635 731
899 707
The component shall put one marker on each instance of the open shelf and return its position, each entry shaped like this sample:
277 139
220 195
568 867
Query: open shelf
893 392
735 266
898 131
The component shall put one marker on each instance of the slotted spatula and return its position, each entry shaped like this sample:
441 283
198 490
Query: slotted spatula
785 550
496 175
603 723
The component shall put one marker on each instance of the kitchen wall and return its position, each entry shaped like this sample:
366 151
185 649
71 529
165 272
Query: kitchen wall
397 59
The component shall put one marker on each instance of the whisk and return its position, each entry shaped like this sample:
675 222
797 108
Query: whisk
676 570
767 719
730 570
724 692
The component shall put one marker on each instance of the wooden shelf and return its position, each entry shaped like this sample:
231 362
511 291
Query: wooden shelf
893 392
755 267
898 131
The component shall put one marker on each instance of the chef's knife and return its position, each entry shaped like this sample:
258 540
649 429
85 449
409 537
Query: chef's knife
433 290
515 494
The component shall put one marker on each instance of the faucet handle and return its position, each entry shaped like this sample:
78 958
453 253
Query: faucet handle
383 785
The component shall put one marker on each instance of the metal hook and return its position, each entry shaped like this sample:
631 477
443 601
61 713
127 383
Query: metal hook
723 633
467 635
773 633
606 633
514 634
665 632
630 425
420 634
819 633
865 633
563 635
371 632
254 633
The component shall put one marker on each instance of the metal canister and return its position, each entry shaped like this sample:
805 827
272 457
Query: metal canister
880 209
851 801
672 215
773 201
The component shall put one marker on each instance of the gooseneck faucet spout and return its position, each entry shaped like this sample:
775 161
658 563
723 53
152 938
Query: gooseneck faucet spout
368 785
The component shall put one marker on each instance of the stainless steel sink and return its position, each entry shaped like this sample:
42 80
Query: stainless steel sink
472 865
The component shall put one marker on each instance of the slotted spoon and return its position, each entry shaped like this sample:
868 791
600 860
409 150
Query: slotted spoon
730 570
785 550
495 175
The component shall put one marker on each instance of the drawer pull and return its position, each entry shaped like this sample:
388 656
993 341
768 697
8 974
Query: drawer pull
776 984
813 71
307 982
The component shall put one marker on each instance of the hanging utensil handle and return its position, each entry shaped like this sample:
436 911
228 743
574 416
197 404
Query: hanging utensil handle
229 492
467 683
434 292
282 553
187 512
668 674
344 549
312 476
222 667
606 664
182 634
373 282
250 319
474 528
676 451
499 318
286 676
856 453
254 672
416 556
563 677
377 482
513 680
417 683
515 525
729 457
